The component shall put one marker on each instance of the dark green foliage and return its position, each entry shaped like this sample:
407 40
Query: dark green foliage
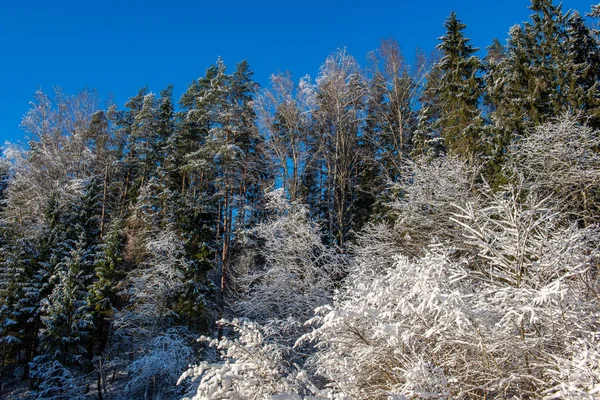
550 66
450 109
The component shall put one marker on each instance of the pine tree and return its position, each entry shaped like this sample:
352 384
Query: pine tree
550 67
230 160
130 141
66 316
450 108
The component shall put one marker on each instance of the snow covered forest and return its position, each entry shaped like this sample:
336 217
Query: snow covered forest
404 228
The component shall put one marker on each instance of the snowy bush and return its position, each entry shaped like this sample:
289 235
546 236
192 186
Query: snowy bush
54 381
492 323
252 366
560 159
579 375
290 272
155 372
427 192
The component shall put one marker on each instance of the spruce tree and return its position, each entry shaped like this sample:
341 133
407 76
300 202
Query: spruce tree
450 109
550 67
66 316
583 55
103 299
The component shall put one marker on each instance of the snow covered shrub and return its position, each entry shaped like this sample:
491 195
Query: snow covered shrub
54 381
155 372
377 339
154 286
492 323
252 366
290 271
427 193
560 159
578 376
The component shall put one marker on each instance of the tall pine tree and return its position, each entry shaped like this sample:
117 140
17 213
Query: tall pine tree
450 105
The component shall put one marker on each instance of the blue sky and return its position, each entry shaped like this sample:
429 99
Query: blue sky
119 46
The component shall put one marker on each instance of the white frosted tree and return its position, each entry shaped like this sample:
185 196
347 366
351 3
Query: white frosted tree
251 366
153 287
154 374
497 321
290 271
560 159
284 113
427 191
339 117
57 158
148 327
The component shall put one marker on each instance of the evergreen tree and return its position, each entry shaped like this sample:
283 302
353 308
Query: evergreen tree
17 323
4 179
450 108
550 67
130 141
66 316
583 91
595 13
35 266
230 160
103 298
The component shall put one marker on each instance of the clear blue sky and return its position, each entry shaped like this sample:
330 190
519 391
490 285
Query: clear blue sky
119 46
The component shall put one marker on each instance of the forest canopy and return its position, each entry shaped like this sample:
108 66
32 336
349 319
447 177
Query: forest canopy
393 230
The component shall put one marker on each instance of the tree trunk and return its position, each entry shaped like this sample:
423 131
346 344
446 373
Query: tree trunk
104 192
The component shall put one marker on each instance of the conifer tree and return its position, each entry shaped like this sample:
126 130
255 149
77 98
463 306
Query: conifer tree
103 299
4 179
229 161
66 316
453 93
550 67
583 54
35 266
493 140
130 143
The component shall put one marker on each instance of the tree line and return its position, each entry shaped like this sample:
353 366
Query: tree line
127 231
